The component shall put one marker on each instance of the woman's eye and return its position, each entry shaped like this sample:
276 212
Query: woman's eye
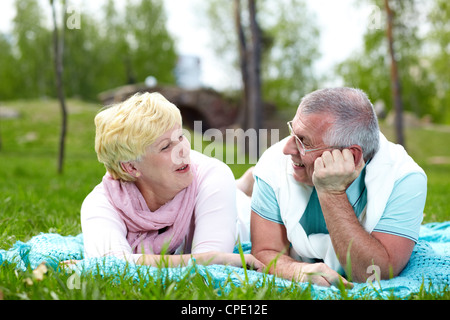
166 147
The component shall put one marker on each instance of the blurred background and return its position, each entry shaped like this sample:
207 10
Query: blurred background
192 44
234 63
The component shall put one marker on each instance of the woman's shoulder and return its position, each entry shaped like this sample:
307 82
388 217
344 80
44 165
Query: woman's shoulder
96 203
209 168
205 163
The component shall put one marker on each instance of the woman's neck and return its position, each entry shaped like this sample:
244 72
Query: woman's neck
155 197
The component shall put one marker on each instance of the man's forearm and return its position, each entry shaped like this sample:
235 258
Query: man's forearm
279 264
349 239
285 267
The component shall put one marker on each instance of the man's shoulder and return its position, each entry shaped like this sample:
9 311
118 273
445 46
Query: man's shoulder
274 154
411 182
272 163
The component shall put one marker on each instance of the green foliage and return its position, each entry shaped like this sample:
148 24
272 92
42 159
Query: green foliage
288 62
289 46
439 38
109 49
422 58
33 74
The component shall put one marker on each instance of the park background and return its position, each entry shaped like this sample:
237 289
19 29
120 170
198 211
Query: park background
256 64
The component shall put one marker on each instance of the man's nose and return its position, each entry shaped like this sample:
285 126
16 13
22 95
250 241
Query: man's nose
290 148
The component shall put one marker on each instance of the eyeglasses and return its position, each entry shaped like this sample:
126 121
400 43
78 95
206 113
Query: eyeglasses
300 146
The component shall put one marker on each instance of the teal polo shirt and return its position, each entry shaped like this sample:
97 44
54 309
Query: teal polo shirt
402 216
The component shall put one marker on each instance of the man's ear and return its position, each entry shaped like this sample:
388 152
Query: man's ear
357 154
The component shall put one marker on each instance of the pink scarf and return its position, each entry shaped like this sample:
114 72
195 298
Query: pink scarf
149 232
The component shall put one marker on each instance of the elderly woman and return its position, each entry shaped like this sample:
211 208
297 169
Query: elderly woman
158 197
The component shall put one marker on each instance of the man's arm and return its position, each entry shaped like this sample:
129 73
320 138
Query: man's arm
333 173
388 252
271 246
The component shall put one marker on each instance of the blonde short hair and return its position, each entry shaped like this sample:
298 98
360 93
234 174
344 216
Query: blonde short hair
125 130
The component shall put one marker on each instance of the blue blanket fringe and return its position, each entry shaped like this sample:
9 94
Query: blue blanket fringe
428 268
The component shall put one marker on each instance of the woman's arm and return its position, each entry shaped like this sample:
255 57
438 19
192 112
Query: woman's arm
215 207
104 232
206 258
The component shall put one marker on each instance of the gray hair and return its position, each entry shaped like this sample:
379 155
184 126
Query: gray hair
355 118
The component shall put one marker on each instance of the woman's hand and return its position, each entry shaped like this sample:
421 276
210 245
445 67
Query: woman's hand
230 259
205 258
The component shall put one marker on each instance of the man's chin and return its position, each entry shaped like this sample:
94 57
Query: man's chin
303 178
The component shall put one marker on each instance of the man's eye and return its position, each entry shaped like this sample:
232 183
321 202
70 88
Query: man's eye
306 144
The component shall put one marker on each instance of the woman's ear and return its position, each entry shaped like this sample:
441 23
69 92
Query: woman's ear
129 168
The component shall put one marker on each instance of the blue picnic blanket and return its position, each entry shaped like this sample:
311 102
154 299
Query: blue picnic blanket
428 268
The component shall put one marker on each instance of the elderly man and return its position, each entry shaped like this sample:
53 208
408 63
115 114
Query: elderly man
335 197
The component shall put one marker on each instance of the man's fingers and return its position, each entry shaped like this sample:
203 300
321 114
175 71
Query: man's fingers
339 280
327 158
318 164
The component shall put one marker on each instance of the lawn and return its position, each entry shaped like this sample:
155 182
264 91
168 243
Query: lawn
34 198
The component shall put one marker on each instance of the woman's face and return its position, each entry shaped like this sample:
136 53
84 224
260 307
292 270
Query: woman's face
166 163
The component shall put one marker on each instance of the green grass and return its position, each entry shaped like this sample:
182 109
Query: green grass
34 198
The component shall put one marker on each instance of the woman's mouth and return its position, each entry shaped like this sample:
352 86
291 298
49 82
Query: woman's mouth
184 168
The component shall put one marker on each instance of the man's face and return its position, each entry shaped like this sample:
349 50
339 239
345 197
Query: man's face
310 129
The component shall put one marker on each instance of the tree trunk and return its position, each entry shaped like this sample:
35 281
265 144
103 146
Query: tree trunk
254 74
243 57
250 63
58 46
395 80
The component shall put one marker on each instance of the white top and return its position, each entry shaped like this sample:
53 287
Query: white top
105 232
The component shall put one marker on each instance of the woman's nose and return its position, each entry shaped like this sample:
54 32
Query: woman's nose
181 152
185 148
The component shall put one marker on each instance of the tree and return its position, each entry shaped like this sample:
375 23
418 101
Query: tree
243 63
291 47
439 56
58 47
250 63
150 47
106 52
395 80
288 46
8 72
369 68
33 47
255 100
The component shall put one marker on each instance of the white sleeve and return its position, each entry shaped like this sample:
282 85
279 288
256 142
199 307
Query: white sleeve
215 210
104 232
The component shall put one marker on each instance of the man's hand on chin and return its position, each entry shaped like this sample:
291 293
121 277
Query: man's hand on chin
335 171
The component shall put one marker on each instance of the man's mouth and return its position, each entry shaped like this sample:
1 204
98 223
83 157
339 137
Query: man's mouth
299 165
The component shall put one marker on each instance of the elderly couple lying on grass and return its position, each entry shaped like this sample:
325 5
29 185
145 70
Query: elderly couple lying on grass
332 197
